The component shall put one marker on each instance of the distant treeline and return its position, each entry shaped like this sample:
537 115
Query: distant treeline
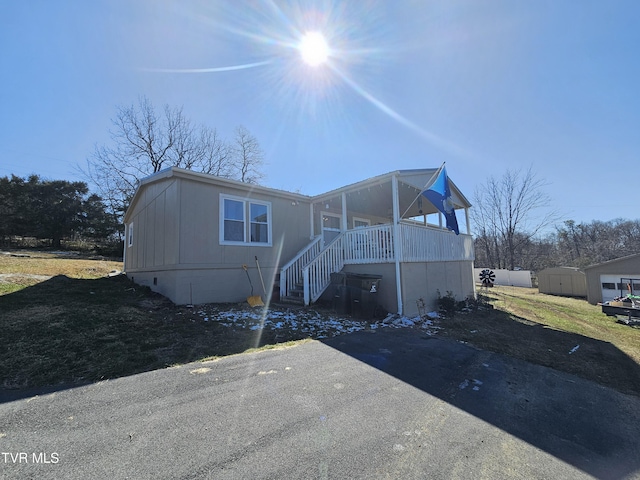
571 245
52 210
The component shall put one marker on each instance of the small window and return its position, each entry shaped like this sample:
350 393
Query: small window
608 286
130 234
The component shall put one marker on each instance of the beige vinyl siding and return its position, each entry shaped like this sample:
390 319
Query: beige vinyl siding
424 280
200 228
154 234
177 252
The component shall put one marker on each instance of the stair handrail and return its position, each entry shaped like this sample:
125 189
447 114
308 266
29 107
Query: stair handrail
317 273
291 272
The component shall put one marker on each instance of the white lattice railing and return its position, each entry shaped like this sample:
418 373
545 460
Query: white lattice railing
424 244
291 273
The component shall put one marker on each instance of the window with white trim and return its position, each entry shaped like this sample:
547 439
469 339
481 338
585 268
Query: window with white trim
244 222
259 218
233 218
361 222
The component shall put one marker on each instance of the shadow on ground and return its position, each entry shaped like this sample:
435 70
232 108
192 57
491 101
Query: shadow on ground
580 422
69 332
65 332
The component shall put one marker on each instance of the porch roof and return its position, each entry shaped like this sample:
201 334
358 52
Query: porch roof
374 195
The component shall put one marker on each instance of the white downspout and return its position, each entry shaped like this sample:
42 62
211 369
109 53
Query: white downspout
397 244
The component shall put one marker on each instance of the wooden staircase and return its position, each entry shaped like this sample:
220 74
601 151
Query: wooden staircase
295 295
308 274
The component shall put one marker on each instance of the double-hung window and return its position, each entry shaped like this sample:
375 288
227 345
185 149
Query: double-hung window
234 224
244 222
259 218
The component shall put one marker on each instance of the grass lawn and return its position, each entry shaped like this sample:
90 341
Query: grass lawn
63 321
567 334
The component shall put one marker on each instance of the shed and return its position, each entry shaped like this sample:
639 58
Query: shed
565 281
614 278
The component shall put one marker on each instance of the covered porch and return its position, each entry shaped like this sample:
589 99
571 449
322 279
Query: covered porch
382 220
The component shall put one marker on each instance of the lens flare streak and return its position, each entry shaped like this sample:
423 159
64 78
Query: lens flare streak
230 68
436 140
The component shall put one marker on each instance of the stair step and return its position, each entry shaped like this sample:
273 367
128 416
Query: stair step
292 299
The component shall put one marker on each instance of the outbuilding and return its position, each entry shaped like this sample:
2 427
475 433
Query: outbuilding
614 278
564 281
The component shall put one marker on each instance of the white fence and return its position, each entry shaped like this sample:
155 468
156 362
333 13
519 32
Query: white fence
512 278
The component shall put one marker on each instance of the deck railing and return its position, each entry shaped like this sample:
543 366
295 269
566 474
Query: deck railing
425 244
313 266
369 245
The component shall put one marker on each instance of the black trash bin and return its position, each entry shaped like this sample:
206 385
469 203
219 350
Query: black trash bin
342 300
364 292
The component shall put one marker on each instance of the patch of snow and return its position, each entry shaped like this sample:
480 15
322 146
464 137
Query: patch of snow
316 324
403 322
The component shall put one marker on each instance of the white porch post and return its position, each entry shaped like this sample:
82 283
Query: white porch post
397 243
311 230
466 217
344 212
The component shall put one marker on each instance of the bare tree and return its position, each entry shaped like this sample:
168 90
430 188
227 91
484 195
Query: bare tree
508 213
584 244
144 142
249 157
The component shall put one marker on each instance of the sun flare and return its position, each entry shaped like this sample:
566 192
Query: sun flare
313 49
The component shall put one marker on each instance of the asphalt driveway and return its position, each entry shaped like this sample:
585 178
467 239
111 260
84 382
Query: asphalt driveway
380 404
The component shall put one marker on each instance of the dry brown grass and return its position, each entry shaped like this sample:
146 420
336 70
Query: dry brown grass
80 326
50 264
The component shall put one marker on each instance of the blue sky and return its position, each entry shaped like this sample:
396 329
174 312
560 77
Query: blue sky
484 85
